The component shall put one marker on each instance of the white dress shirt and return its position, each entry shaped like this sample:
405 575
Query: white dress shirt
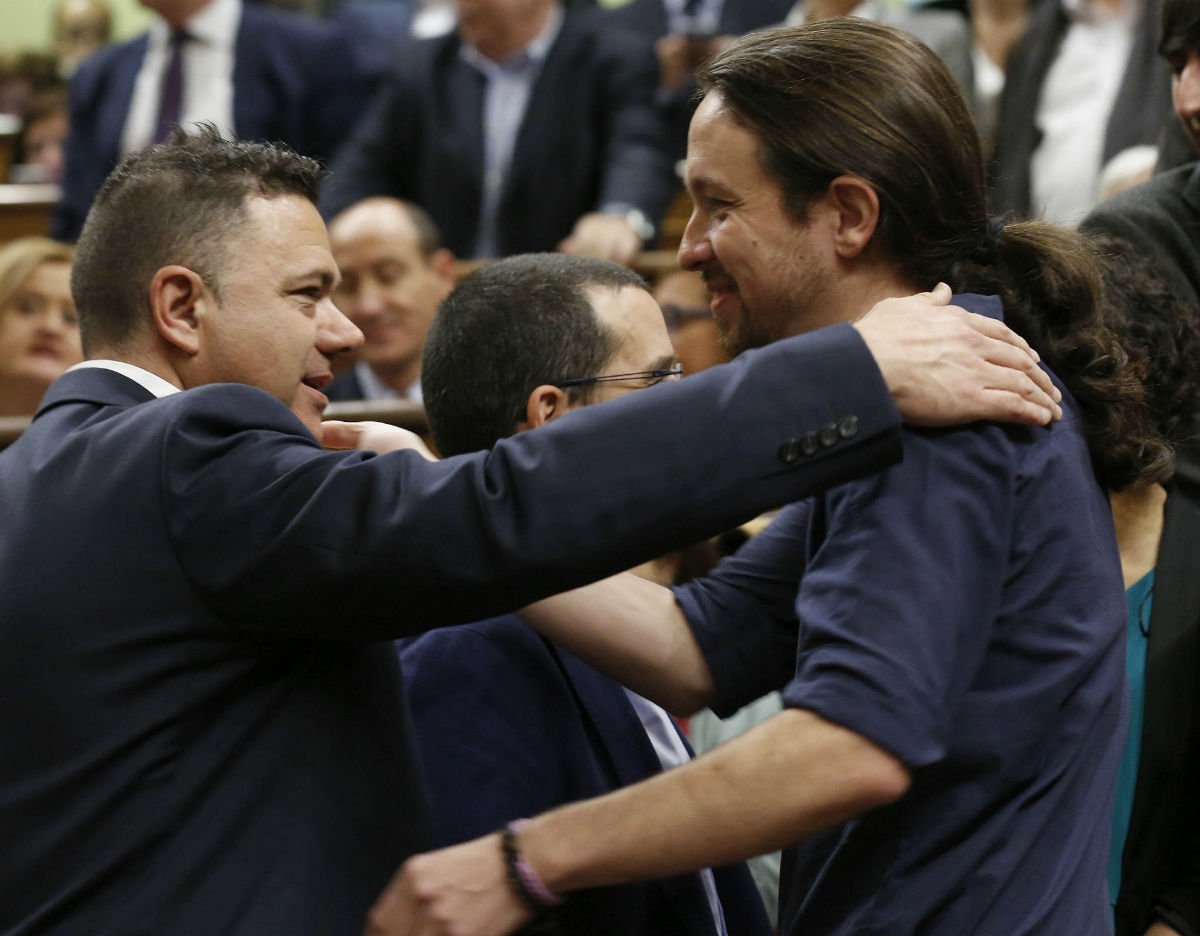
1073 109
207 74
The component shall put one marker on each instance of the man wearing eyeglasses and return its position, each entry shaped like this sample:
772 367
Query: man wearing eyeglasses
506 724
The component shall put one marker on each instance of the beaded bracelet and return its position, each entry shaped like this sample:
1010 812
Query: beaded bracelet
524 880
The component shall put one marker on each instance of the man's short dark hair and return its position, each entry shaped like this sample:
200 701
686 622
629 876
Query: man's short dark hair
180 201
1180 29
509 327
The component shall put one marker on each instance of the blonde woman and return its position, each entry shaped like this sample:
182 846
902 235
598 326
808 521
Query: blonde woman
39 332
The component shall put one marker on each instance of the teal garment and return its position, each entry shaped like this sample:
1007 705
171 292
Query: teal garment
1138 599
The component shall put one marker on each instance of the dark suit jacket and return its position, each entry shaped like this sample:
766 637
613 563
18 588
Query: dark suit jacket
590 137
1160 869
1161 218
294 81
509 726
649 17
198 734
1143 102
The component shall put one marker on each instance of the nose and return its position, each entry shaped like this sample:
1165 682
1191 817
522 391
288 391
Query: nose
1187 87
695 249
336 332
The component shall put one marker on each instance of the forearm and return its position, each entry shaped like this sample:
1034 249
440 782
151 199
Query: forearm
794 775
632 630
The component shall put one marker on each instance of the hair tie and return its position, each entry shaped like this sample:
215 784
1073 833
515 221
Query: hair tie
989 241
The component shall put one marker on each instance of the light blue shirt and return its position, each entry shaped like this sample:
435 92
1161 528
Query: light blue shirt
505 98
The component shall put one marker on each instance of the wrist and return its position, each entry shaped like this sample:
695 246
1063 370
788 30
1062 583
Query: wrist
522 876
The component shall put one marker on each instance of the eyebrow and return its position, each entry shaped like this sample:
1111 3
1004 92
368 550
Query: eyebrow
326 277
666 362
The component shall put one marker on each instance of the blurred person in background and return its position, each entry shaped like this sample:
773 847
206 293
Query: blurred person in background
81 28
1084 90
257 73
1154 863
39 332
395 273
528 129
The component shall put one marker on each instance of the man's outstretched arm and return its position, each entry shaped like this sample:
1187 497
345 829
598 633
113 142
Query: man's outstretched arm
788 778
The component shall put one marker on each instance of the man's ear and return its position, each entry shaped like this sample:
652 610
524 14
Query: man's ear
545 404
856 207
442 264
178 301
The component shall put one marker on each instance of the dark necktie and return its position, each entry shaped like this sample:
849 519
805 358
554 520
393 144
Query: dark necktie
691 8
170 98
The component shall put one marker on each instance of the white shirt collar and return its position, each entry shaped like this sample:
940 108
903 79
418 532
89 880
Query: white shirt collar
139 375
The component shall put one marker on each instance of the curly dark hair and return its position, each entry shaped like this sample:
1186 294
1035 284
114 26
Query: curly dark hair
180 201
1160 331
848 96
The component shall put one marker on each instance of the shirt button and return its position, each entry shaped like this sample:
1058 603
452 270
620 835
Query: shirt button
789 451
848 427
829 434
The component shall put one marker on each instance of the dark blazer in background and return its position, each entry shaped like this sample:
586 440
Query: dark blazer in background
649 17
1161 218
509 726
1160 870
590 137
204 727
294 81
1142 105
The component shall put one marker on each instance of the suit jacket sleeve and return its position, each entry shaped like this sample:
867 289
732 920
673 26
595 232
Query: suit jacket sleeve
381 154
638 164
276 533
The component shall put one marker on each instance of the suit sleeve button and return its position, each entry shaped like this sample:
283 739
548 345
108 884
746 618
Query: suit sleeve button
848 427
809 443
829 434
789 451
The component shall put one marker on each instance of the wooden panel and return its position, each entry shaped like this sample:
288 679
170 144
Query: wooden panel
25 210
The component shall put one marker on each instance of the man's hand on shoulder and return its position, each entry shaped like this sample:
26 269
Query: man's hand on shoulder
606 236
371 437
944 365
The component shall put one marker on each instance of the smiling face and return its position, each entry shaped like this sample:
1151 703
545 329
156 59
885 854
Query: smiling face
275 326
39 336
389 288
770 273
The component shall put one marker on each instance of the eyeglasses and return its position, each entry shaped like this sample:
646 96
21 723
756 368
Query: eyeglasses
653 375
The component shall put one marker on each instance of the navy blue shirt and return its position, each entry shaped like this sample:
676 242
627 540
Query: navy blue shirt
964 611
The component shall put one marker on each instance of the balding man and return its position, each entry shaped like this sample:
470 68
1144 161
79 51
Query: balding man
395 273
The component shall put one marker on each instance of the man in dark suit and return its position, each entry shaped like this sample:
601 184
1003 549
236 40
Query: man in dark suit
1162 216
258 73
1054 135
528 129
202 730
507 725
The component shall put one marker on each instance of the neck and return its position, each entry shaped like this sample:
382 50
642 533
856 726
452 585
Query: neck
398 376
178 19
855 291
146 360
1138 518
